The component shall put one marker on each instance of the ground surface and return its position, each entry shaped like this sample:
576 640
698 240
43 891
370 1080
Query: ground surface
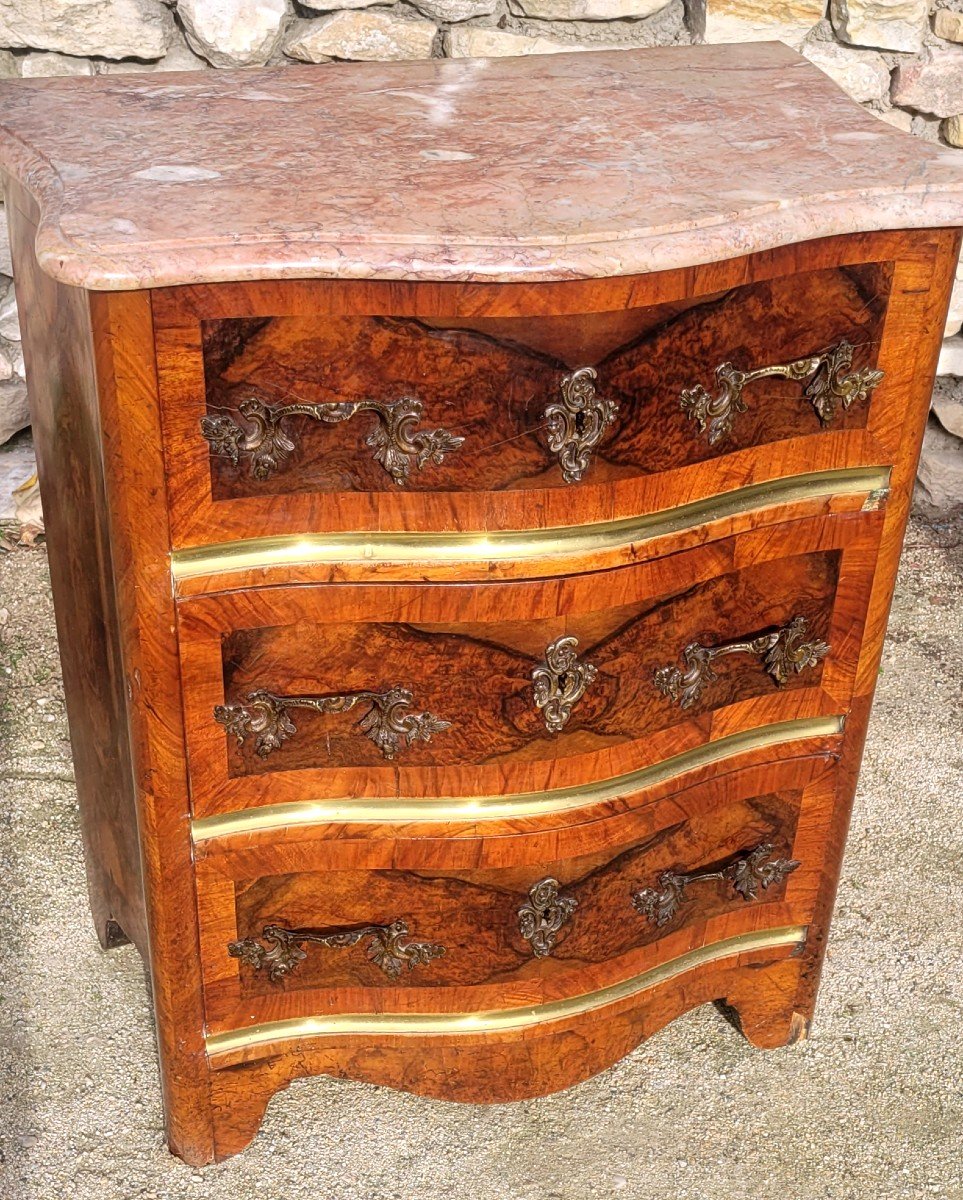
871 1107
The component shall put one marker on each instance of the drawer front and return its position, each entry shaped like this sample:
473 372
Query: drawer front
420 690
281 423
490 922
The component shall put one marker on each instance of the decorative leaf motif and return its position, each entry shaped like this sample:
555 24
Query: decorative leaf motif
783 652
746 874
396 441
542 916
387 948
830 383
386 723
576 423
560 681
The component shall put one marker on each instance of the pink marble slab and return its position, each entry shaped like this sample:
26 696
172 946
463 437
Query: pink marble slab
550 167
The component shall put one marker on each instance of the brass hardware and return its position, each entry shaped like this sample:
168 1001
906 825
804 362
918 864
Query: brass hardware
295 550
829 384
396 443
355 1024
747 874
783 651
876 499
249 821
387 948
560 682
543 915
577 422
264 715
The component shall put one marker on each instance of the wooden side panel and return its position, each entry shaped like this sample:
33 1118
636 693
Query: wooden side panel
58 352
123 341
920 300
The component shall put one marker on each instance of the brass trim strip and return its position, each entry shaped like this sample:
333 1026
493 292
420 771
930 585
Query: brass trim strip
500 807
499 1020
511 545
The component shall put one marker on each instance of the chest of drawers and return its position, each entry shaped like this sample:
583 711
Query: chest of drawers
473 509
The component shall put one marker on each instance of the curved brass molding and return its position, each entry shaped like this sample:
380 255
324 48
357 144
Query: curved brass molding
498 1020
500 807
511 545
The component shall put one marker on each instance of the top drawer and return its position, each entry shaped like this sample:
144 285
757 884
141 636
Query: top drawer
423 417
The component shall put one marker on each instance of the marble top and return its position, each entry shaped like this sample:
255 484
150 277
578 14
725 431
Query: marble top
545 167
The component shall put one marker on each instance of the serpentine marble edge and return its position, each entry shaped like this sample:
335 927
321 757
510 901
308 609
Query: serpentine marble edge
450 170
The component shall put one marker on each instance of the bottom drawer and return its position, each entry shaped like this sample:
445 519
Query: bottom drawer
349 921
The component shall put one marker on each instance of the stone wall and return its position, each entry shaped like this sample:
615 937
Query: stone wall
902 59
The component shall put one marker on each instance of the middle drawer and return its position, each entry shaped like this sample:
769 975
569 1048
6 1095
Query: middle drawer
416 690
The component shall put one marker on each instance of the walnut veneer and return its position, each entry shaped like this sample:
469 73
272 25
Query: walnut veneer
468 669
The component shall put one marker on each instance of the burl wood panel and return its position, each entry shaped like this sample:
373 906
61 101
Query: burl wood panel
491 380
465 894
479 676
474 914
467 653
67 433
517 334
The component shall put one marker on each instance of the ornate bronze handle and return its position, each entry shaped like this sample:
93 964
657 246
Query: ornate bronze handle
560 682
543 915
830 383
784 652
397 444
265 717
577 422
747 874
387 948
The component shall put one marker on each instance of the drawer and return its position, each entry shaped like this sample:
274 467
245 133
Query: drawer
416 690
382 923
279 423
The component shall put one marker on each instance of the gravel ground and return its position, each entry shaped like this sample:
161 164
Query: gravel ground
870 1107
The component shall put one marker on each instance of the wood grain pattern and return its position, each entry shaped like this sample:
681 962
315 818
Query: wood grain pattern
467 653
491 380
145 492
198 519
479 677
465 893
494 1069
474 914
67 432
123 349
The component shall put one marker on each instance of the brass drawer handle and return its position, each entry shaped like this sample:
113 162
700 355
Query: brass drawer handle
577 422
560 682
783 652
829 384
542 916
396 441
387 948
747 874
264 716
